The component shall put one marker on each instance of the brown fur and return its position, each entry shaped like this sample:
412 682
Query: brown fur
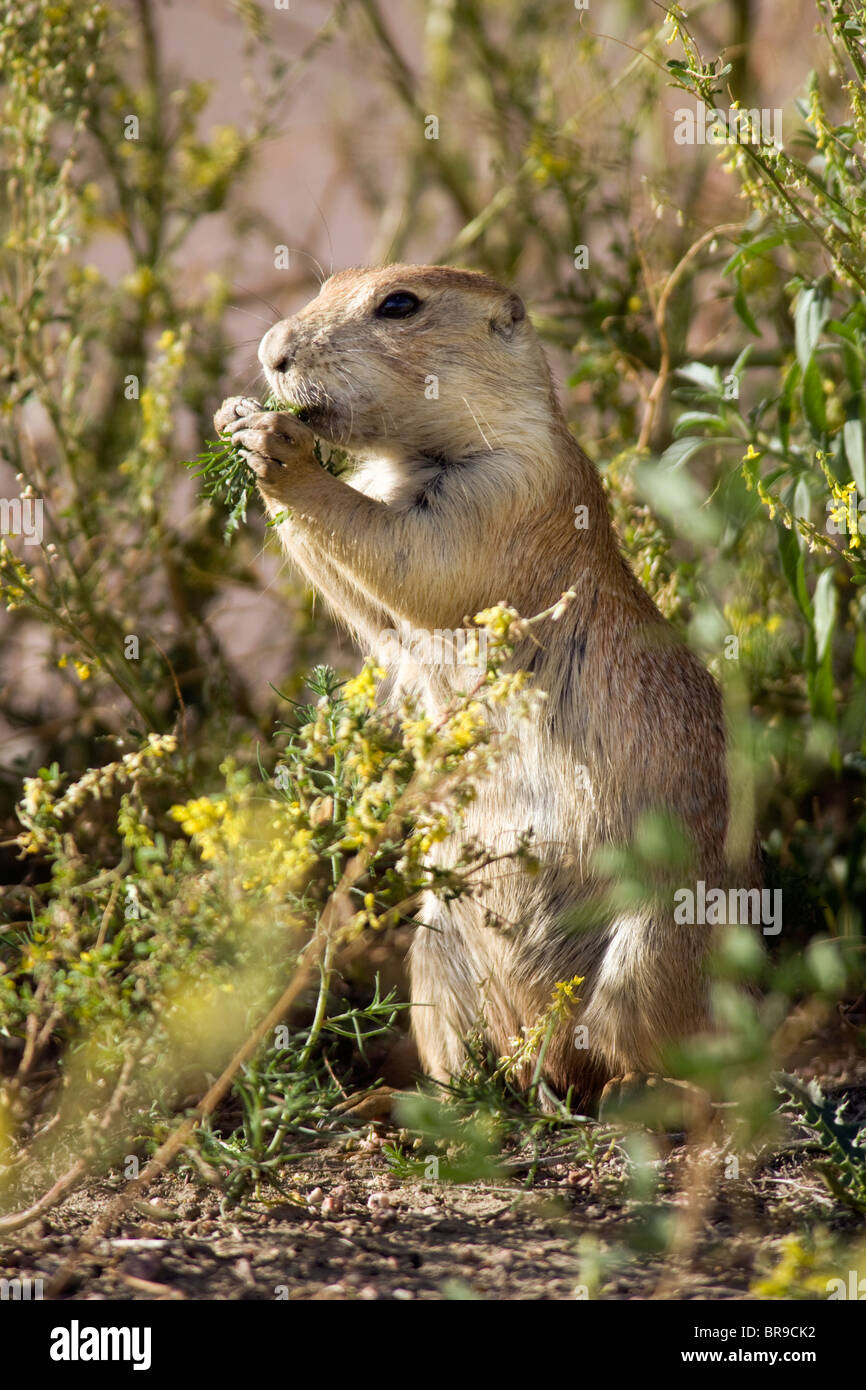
459 503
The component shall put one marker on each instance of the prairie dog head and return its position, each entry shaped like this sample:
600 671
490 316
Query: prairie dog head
414 361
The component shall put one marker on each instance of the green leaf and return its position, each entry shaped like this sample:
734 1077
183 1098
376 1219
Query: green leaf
826 966
824 606
819 683
786 401
678 453
814 404
679 498
809 319
845 330
701 375
794 570
742 310
758 247
699 417
802 508
852 434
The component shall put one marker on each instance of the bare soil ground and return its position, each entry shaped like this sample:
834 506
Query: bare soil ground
349 1229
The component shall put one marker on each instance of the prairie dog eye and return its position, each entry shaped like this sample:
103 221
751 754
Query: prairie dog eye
399 305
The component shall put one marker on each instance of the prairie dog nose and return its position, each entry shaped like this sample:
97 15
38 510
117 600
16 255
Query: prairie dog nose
276 351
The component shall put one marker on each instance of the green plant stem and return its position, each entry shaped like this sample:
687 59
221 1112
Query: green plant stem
325 971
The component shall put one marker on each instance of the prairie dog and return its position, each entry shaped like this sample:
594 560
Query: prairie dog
466 494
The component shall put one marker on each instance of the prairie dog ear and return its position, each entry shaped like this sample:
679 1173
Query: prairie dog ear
507 315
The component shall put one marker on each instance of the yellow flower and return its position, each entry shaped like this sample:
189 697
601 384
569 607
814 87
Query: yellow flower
498 619
140 282
464 729
564 995
200 817
361 689
795 1272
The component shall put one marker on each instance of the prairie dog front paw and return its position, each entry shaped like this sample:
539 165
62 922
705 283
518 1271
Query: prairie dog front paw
274 443
233 409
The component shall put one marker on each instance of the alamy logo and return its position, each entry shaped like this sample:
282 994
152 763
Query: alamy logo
846 515
704 125
855 1289
703 906
20 1290
465 647
77 1343
22 516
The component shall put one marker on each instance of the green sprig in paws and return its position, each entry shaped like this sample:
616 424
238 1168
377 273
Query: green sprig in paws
227 477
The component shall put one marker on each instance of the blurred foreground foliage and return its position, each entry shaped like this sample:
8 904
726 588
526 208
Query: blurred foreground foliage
170 860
